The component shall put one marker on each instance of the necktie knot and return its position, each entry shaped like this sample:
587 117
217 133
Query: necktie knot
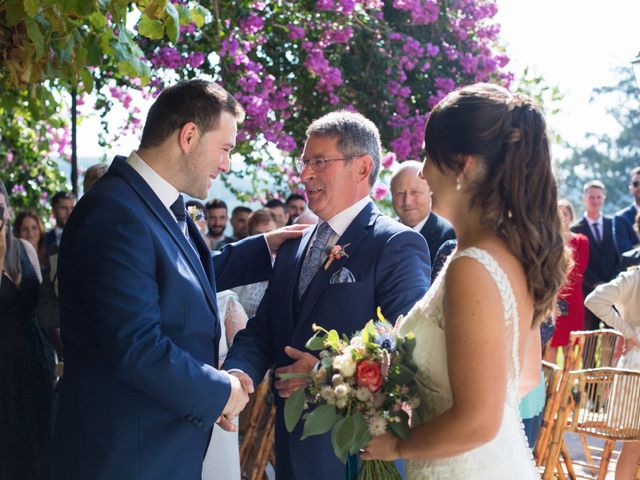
177 208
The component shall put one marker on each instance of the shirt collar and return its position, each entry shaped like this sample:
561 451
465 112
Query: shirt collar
341 221
166 192
590 221
420 225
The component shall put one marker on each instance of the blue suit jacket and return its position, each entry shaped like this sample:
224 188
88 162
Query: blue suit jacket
139 320
391 267
436 231
603 257
623 222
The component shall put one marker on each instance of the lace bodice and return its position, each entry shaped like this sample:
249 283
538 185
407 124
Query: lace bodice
507 456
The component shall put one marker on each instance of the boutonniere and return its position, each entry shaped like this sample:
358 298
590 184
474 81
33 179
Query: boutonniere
335 253
195 213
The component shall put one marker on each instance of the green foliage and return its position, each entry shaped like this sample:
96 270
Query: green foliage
608 158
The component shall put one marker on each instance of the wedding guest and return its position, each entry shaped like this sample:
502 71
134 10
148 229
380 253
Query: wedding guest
239 219
26 370
279 209
217 222
387 267
618 304
443 253
92 175
631 258
603 255
62 205
571 313
488 163
411 198
625 235
261 221
296 204
29 227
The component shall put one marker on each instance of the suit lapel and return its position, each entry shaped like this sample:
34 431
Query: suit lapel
355 233
122 169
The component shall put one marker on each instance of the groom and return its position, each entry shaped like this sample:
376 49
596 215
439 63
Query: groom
140 327
385 264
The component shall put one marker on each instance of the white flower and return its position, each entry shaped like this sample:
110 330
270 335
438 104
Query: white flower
342 391
364 394
328 394
377 426
341 402
337 379
357 343
345 363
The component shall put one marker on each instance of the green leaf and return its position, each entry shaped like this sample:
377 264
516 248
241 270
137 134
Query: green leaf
315 343
30 7
150 28
333 340
87 80
361 435
94 53
200 15
401 429
402 374
320 421
172 23
340 438
35 35
291 376
293 407
14 12
98 20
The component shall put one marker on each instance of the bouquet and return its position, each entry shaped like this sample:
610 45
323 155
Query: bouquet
362 387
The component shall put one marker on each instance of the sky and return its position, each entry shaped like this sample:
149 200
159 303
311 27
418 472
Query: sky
574 45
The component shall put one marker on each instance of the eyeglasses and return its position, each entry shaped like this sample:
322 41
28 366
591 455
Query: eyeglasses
319 165
635 184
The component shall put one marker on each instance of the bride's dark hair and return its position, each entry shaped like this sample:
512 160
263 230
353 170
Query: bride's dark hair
517 193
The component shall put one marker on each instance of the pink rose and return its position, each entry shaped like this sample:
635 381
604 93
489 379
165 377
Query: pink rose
369 375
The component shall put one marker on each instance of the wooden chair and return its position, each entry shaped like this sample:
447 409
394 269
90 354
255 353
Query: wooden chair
258 437
602 403
602 348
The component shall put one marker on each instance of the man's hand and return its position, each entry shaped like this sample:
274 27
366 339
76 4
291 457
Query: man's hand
276 238
304 363
245 380
238 398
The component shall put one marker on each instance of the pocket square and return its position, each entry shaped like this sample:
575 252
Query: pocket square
343 275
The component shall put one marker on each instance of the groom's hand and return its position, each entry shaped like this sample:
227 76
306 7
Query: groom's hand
276 238
238 398
304 363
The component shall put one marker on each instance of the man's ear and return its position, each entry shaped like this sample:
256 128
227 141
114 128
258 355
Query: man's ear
188 136
364 167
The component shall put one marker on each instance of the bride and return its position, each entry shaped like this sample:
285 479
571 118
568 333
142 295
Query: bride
488 164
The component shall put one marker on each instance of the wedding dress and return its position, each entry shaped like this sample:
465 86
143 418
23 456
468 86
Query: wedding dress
507 456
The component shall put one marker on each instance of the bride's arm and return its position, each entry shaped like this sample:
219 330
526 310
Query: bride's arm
477 364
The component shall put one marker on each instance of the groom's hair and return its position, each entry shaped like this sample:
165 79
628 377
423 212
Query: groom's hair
196 101
356 134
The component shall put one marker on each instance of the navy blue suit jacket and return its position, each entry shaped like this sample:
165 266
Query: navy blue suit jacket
139 320
625 236
603 257
436 231
391 268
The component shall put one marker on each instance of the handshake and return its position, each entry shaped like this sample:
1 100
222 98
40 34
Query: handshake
241 387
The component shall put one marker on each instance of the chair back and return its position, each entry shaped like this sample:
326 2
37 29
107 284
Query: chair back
594 349
552 380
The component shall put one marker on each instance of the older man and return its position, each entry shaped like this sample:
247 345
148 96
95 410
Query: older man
411 197
386 265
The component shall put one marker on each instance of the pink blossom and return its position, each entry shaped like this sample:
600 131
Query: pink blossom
388 160
380 190
252 24
9 157
295 33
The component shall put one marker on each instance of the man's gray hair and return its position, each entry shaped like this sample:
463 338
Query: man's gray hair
356 134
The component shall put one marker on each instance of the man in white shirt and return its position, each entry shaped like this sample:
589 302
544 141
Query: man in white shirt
411 198
603 255
354 261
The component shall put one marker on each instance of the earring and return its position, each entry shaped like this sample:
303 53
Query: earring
458 184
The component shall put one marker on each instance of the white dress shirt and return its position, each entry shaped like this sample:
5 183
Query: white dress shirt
600 224
418 226
166 192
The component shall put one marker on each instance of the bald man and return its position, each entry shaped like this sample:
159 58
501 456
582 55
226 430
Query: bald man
411 198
